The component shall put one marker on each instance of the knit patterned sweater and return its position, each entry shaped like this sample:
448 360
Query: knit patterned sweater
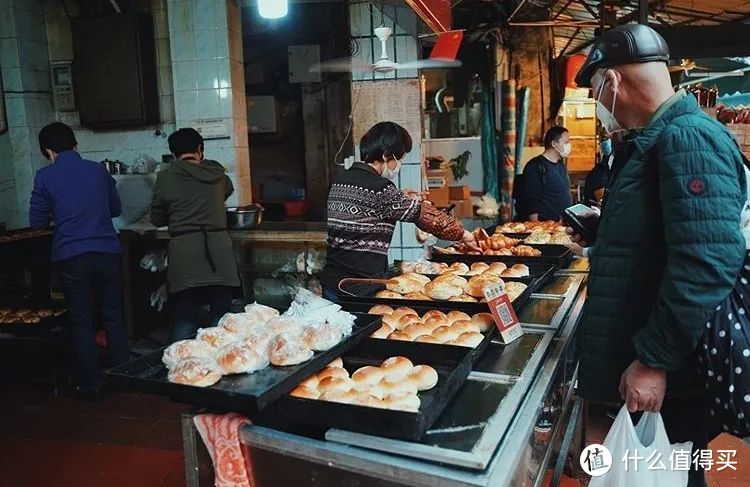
363 208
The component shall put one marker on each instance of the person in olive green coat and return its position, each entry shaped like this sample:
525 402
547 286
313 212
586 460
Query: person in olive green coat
189 197
669 247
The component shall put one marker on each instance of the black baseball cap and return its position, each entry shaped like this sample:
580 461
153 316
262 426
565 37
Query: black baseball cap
624 44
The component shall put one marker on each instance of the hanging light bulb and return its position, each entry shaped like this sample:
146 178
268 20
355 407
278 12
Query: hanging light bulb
273 9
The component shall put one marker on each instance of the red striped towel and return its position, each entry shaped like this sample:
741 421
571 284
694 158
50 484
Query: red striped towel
220 433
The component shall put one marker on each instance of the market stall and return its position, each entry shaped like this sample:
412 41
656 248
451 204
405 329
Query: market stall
496 413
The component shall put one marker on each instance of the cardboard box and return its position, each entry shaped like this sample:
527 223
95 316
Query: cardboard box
460 193
463 209
438 178
439 197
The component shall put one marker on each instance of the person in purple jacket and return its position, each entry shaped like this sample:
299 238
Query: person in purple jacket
80 197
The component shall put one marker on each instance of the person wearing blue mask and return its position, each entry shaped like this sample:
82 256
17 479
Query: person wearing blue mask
364 206
596 181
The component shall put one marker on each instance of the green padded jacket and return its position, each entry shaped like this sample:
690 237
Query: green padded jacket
668 251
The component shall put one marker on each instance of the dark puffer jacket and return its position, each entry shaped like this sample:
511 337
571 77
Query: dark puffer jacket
668 251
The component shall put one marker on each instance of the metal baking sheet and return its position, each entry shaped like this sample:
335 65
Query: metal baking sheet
245 393
451 363
559 255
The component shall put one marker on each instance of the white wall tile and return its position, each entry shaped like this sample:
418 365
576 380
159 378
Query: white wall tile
180 15
406 51
185 105
205 44
210 104
207 14
182 44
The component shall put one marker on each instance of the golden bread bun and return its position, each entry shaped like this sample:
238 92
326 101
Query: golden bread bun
287 349
391 320
406 283
423 377
469 339
258 338
241 359
338 395
336 372
401 385
417 329
403 311
478 284
402 401
198 372
442 291
399 335
380 309
338 362
396 368
368 400
522 268
496 268
335 384
264 313
444 334
514 289
388 295
463 326
511 273
382 332
418 296
437 322
185 349
459 268
368 375
282 324
310 383
406 321
464 298
322 337
484 321
457 315
433 314
305 393
427 339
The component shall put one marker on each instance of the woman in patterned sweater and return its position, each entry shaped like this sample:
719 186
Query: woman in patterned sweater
364 206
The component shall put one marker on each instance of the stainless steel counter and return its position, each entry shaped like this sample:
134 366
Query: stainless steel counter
486 437
291 232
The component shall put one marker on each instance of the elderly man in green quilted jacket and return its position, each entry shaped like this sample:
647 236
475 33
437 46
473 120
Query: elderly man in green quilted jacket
668 248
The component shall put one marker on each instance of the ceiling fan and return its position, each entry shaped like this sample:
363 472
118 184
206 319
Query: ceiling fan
686 65
384 64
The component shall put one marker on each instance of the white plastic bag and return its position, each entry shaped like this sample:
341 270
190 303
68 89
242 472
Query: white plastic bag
642 455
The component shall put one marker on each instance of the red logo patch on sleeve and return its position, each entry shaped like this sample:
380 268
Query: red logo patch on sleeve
697 186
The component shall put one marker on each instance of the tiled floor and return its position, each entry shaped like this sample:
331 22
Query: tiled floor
126 440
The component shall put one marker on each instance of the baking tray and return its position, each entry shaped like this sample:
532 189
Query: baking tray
452 364
558 255
245 393
535 269
21 329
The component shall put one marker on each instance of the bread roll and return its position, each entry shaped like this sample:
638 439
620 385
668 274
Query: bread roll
391 320
368 375
427 339
305 393
337 362
496 268
418 296
382 332
396 368
405 284
511 273
468 339
258 338
514 289
452 279
478 284
442 291
346 397
433 314
401 385
368 400
216 337
444 334
399 335
198 372
380 309
402 401
282 324
459 268
417 329
287 349
310 383
402 311
335 384
322 337
265 313
336 372
463 326
388 295
241 359
454 316
523 269
437 322
464 298
477 268
484 321
423 377
407 321
185 349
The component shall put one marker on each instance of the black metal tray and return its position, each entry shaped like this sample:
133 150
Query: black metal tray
558 255
23 330
245 393
452 364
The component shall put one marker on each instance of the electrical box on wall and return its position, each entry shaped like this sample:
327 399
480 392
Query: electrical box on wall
301 59
262 114
62 86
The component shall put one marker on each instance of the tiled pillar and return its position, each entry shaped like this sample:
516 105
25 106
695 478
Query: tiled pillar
26 80
209 80
393 97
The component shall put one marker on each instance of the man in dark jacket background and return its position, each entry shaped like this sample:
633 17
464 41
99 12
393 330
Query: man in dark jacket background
668 249
81 198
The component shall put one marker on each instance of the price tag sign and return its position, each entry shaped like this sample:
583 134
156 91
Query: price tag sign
503 313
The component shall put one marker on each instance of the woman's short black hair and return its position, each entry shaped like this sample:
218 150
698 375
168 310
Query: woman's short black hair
384 140
185 141
553 135
56 137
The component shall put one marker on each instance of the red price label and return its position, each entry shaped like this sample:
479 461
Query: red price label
503 313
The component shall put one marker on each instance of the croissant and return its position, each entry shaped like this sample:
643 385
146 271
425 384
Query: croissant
526 251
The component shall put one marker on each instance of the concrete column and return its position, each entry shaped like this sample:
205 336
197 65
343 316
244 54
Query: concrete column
209 80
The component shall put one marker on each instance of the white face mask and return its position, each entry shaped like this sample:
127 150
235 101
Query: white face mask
392 174
565 150
605 116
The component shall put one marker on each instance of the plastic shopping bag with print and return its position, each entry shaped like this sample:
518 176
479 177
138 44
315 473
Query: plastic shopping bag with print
638 456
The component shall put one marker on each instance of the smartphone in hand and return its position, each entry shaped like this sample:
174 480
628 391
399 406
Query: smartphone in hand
583 220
